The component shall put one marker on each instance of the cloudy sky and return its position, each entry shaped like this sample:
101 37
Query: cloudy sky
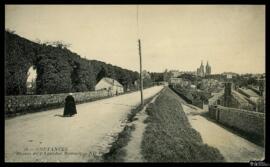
230 37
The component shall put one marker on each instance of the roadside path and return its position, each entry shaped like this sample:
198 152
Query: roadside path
133 149
231 146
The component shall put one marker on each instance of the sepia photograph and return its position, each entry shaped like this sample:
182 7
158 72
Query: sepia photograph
135 83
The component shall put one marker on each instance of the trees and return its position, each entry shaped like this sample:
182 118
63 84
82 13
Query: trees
102 73
18 59
53 76
166 75
125 77
156 77
188 77
58 69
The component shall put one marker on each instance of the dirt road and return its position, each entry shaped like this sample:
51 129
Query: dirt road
231 146
48 137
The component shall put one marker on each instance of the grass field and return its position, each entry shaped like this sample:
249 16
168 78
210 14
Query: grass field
169 137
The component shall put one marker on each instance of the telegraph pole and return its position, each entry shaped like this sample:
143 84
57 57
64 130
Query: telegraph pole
140 54
141 79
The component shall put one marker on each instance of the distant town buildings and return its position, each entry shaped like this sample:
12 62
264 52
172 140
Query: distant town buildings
207 69
174 80
179 81
201 72
229 74
211 85
177 73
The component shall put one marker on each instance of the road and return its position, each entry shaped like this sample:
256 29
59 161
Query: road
49 137
231 146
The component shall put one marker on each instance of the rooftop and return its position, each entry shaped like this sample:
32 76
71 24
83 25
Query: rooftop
112 81
250 92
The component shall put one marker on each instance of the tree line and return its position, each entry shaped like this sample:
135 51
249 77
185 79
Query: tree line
58 69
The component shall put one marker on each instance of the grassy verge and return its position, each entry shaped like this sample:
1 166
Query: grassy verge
170 138
117 153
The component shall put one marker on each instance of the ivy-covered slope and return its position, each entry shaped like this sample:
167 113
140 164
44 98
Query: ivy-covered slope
58 69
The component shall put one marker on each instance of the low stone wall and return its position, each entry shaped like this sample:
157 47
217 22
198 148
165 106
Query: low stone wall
247 121
28 103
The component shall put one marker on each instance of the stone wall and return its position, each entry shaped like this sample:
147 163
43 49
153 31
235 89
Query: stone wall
28 103
247 121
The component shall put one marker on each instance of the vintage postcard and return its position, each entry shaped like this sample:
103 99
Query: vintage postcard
135 83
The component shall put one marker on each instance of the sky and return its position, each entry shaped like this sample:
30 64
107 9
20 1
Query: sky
230 37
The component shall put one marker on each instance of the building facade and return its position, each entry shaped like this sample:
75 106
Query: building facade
207 69
201 72
111 85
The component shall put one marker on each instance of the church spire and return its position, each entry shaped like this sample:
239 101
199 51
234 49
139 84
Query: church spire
201 64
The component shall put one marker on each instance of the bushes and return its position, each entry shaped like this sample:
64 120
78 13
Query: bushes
193 97
58 69
18 59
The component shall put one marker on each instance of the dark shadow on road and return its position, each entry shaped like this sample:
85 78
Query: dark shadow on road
58 115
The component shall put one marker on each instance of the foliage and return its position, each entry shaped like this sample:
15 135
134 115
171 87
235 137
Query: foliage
18 59
167 75
156 77
53 76
197 98
188 77
58 69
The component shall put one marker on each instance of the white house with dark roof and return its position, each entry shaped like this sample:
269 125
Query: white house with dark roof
111 85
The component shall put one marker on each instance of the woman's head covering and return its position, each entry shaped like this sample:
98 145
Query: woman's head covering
70 94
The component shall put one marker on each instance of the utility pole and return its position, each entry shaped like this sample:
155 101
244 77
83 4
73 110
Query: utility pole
141 79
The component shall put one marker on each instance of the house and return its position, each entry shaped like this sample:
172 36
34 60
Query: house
111 85
179 81
174 81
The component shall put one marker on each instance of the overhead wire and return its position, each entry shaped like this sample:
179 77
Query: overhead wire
137 19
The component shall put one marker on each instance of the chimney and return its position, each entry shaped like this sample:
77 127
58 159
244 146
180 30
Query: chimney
227 94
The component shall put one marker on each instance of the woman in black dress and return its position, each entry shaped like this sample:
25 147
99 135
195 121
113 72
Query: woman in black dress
70 106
